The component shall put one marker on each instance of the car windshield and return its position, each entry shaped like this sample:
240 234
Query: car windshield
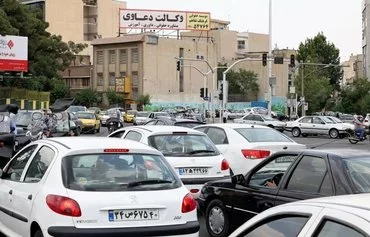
183 145
358 170
85 116
117 172
23 119
131 112
336 120
327 120
74 109
142 114
262 135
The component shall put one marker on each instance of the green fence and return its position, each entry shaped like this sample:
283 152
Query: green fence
25 99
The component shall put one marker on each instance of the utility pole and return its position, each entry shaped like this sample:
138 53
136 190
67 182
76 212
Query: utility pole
269 106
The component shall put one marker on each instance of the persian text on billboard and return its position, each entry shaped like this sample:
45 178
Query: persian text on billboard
164 20
13 53
120 84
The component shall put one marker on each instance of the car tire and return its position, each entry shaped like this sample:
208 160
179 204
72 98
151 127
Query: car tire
333 133
38 233
296 132
216 218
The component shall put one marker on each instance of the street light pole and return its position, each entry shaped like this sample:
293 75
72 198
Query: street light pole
269 106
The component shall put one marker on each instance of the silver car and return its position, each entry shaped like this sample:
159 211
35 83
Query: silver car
259 119
140 118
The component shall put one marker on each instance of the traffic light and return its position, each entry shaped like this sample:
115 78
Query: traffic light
221 95
202 92
264 59
292 60
178 65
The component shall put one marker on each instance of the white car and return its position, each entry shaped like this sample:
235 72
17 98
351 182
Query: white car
191 153
346 125
93 186
339 216
316 125
259 119
245 145
141 117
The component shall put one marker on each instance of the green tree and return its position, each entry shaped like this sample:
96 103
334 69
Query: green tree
47 54
143 100
59 90
355 98
115 98
86 97
320 50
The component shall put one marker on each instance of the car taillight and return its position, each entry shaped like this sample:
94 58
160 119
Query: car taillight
255 154
188 204
224 165
63 205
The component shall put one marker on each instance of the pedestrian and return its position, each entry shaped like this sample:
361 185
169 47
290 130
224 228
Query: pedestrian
225 115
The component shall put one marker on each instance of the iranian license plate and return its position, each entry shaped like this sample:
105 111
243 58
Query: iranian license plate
193 171
133 215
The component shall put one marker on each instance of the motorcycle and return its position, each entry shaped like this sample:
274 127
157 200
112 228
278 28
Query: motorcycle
113 124
354 137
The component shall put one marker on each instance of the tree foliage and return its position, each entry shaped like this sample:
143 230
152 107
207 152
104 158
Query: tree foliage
115 98
86 97
355 98
320 50
59 90
47 54
143 100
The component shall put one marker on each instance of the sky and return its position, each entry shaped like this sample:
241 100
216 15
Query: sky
293 21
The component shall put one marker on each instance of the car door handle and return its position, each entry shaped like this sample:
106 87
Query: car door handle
10 192
29 197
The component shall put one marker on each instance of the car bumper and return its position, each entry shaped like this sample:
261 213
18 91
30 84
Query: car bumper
188 229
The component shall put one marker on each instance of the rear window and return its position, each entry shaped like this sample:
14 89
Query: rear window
358 170
117 172
262 135
183 145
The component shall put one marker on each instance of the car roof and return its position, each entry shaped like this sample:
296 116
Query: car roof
85 143
166 129
360 201
234 125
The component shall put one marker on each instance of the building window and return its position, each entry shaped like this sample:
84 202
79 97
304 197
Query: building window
241 44
123 56
112 56
100 79
100 57
122 74
135 79
135 93
85 82
112 79
181 74
135 55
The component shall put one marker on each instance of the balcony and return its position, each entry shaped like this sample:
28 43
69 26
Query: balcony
90 3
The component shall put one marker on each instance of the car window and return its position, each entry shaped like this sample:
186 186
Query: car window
153 122
217 135
271 173
117 172
133 135
202 129
183 145
326 188
18 163
258 118
281 226
306 120
262 135
117 134
159 122
39 164
308 175
249 117
317 120
330 228
358 170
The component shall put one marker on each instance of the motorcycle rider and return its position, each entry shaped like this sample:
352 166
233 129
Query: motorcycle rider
359 126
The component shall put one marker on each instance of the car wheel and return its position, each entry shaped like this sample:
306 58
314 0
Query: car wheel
296 132
333 133
217 221
38 233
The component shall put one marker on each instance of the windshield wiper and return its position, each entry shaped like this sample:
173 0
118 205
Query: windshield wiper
201 151
150 181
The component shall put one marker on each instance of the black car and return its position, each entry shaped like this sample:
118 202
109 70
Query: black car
284 177
189 123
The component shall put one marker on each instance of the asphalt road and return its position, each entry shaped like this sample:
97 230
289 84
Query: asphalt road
314 142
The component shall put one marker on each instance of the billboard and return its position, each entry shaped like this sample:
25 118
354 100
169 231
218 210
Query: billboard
13 53
164 20
120 84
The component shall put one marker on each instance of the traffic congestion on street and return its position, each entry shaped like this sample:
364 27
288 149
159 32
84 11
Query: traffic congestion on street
203 178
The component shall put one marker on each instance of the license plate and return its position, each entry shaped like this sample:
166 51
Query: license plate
193 171
133 215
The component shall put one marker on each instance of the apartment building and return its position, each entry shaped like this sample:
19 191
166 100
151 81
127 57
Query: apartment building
352 69
365 7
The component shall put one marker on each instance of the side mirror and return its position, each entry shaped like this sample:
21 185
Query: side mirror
238 179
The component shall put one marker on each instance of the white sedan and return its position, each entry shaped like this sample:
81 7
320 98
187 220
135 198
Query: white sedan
316 125
245 145
191 153
77 186
258 119
340 216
